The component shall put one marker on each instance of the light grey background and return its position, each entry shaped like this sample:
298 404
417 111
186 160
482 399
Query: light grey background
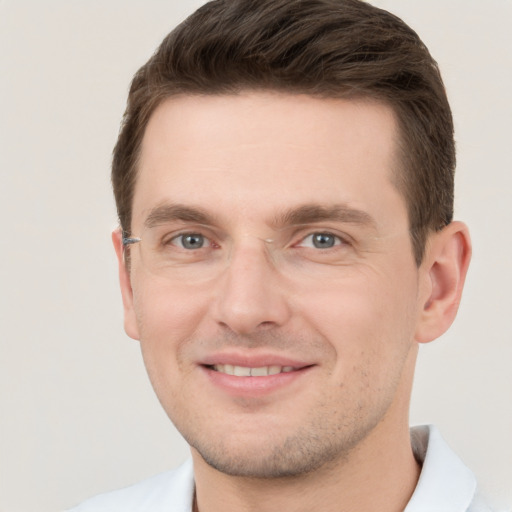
77 415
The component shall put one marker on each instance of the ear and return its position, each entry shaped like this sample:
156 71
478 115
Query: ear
443 273
130 321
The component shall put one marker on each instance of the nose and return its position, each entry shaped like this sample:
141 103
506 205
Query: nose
250 295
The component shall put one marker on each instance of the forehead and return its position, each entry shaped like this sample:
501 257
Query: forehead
262 150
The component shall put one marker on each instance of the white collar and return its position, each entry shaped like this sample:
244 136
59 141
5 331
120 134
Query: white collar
445 483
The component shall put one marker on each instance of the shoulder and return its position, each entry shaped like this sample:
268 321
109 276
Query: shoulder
172 490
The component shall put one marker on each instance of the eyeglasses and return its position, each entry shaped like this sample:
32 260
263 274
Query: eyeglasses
199 252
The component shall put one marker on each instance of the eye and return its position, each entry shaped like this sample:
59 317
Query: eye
321 240
190 241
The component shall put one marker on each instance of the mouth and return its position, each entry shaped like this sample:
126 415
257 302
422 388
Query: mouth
255 378
245 371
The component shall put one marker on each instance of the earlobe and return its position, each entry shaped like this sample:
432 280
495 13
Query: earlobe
444 271
130 323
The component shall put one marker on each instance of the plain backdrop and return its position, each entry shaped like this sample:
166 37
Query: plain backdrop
77 414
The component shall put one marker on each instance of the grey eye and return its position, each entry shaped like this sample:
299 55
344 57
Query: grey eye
323 240
190 241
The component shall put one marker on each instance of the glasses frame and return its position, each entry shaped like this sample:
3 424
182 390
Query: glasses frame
128 240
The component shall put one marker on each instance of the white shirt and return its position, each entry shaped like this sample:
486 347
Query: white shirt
445 485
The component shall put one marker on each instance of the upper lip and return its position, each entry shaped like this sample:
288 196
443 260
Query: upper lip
253 360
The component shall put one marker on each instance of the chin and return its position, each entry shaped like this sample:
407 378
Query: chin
271 458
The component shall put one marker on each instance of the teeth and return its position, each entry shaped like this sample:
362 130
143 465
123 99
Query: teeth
243 371
259 372
274 370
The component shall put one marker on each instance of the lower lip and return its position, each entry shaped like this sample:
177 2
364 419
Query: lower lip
254 386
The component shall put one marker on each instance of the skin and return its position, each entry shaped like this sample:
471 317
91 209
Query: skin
265 171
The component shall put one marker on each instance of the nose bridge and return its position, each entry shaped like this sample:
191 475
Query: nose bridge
250 294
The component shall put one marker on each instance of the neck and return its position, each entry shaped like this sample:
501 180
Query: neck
374 476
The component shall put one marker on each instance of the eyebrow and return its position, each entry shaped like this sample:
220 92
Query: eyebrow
304 214
311 213
177 212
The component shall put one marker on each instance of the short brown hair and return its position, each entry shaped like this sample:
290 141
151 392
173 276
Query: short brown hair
324 48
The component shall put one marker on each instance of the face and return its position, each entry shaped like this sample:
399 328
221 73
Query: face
274 292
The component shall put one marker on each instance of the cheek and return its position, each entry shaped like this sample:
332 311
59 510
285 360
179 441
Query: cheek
367 317
166 314
168 318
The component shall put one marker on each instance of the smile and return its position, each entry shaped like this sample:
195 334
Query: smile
244 371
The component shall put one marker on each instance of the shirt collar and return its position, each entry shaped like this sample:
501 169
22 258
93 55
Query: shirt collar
445 483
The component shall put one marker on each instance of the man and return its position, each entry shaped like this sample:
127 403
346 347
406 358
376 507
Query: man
284 184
